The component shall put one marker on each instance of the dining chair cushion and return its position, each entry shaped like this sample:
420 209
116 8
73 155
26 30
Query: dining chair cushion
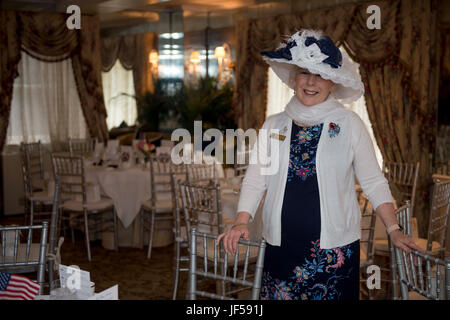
21 253
435 246
42 197
74 205
38 184
382 248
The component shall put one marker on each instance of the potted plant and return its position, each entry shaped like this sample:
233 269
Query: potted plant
205 100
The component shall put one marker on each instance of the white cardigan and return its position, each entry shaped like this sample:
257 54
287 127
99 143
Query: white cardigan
338 159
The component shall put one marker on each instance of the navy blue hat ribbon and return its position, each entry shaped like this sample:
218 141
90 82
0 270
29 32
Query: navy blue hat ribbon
282 53
325 45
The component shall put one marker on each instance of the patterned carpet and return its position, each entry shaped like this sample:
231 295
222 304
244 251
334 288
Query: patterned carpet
138 277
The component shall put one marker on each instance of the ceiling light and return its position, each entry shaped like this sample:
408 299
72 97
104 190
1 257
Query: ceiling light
174 35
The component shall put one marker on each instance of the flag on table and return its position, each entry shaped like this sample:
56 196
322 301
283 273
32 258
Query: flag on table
15 287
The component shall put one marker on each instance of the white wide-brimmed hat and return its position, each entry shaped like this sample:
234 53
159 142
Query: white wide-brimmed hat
316 52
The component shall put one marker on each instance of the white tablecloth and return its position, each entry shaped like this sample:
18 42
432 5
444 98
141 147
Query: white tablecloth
127 187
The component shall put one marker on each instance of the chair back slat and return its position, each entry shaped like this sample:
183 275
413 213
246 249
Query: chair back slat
246 263
440 210
70 173
81 147
201 206
237 277
21 261
201 172
161 169
236 260
29 239
423 279
32 166
402 178
33 153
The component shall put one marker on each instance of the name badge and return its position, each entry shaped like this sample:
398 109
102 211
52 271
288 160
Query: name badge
277 136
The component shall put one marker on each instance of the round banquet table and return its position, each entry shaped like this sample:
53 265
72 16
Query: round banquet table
128 188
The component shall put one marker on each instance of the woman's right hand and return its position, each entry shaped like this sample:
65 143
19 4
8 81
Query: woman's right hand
232 236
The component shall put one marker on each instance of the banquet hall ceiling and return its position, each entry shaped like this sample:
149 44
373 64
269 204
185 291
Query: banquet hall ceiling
116 13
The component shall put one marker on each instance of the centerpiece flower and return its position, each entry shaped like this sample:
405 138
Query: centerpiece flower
146 147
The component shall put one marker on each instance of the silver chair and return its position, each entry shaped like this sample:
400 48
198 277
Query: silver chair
236 277
36 197
180 229
201 210
181 237
403 215
33 152
160 205
367 254
81 147
417 284
201 207
402 178
204 172
70 175
435 244
17 257
410 270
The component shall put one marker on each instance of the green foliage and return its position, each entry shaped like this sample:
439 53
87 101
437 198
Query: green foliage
153 107
205 100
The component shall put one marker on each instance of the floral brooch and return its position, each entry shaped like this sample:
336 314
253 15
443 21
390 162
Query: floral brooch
333 129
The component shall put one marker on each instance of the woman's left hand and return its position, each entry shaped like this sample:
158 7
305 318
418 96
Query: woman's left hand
404 242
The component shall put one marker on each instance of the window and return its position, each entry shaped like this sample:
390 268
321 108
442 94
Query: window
45 105
118 91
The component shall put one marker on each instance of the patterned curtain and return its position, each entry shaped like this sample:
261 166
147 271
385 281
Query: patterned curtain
398 65
132 52
87 68
9 60
46 37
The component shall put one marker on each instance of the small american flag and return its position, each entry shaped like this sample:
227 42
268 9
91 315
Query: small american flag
15 287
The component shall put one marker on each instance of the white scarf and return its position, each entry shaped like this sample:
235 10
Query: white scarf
313 115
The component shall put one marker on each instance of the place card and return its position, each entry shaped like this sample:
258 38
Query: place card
75 279
108 294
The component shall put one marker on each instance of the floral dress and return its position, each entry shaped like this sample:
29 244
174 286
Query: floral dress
299 269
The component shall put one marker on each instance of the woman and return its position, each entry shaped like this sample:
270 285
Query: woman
311 218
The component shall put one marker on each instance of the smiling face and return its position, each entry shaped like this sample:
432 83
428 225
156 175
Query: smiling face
310 88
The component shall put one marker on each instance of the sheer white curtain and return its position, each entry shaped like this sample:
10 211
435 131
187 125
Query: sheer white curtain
117 82
279 94
45 104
